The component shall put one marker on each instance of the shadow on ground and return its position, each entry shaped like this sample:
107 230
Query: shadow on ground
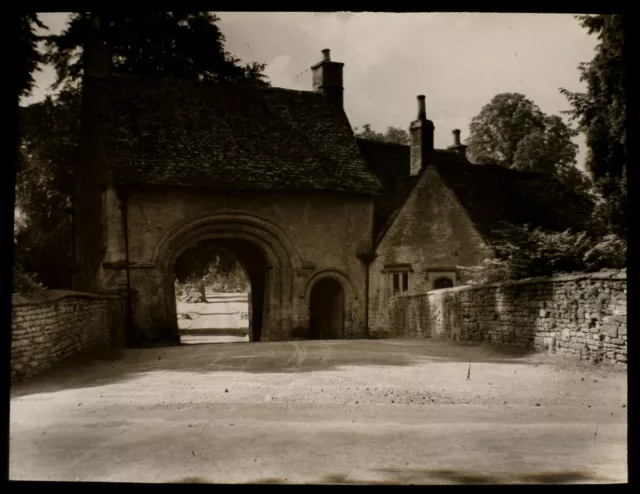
99 368
437 476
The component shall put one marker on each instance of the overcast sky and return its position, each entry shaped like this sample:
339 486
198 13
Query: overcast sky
458 60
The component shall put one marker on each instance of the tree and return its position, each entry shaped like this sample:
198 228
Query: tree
28 57
525 252
186 44
177 44
44 186
513 132
601 114
28 60
204 264
394 135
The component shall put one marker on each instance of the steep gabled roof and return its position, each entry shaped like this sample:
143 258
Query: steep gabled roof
492 196
387 160
189 133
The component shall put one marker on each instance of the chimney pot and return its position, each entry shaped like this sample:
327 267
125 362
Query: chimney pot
327 78
456 137
422 110
421 131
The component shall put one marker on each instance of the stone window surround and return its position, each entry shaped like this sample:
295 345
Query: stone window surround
442 272
390 270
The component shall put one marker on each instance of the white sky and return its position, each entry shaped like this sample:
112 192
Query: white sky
458 60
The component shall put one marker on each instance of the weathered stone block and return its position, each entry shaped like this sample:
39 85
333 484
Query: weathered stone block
611 330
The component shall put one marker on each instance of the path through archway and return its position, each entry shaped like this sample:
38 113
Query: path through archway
230 308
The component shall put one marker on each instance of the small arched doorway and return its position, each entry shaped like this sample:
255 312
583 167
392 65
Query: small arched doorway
442 282
326 310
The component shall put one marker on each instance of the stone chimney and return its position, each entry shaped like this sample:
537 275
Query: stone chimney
327 78
457 146
422 131
96 62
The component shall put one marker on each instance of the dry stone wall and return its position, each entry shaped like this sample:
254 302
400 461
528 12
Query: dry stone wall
55 325
582 316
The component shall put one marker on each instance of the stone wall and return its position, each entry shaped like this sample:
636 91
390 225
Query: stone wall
326 231
51 326
584 316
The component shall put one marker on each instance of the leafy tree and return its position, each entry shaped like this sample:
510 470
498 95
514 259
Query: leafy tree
28 60
28 56
207 265
44 185
601 114
178 44
393 135
513 132
525 252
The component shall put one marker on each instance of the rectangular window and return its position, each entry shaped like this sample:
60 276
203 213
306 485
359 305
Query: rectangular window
396 282
397 279
399 282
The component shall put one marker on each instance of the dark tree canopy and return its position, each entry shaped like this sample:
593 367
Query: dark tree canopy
513 132
28 56
201 260
393 135
601 114
43 186
178 44
206 264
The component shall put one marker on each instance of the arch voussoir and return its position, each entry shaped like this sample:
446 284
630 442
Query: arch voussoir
281 255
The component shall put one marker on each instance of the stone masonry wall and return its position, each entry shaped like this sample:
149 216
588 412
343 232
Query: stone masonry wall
582 316
328 231
58 324
432 234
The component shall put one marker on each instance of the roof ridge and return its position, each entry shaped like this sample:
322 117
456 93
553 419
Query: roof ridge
158 77
511 170
383 143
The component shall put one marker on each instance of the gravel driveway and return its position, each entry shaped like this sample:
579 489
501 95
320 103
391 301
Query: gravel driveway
377 411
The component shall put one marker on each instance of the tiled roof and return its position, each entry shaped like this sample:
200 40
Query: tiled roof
189 133
390 163
493 196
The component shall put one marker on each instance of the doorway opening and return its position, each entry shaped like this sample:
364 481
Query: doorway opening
219 292
326 310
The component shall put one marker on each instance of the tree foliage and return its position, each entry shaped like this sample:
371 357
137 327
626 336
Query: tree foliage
394 135
206 265
28 57
525 252
178 44
601 113
513 132
44 185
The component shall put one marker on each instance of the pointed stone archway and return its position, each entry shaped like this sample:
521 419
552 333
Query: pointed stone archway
260 244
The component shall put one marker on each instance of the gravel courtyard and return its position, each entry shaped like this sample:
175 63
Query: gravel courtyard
337 412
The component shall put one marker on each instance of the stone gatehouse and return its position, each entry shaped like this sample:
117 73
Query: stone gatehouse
327 226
